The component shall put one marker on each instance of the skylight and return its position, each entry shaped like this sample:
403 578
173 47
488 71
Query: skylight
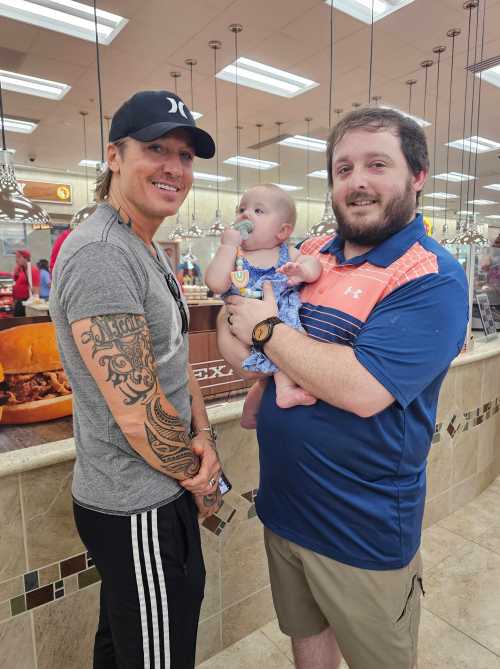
42 88
65 16
23 125
265 78
475 144
362 9
305 143
456 177
252 163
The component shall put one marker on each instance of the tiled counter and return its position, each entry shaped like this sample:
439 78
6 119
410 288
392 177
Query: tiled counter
49 588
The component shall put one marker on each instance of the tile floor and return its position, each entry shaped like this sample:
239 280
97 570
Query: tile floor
460 626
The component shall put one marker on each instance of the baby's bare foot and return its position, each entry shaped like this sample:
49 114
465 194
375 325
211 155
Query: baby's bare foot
293 396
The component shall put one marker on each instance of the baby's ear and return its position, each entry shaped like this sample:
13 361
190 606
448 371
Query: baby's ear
285 231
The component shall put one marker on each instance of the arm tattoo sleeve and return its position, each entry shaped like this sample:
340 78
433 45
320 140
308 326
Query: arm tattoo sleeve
122 345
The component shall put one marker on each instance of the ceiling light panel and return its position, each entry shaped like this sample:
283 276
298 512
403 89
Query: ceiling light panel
492 187
196 115
441 196
475 144
495 216
305 143
42 88
319 174
481 202
89 163
362 9
288 187
455 177
65 16
265 78
252 163
22 125
431 208
203 176
492 75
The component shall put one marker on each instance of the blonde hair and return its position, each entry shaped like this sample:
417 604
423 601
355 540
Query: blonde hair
103 181
285 200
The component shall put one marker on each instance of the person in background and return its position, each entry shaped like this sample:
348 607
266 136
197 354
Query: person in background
23 286
57 247
45 278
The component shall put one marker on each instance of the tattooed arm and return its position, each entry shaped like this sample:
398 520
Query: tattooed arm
117 351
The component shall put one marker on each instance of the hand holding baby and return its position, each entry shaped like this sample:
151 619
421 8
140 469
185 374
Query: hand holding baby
231 237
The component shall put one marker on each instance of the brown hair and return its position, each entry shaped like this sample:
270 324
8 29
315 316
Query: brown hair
412 137
103 181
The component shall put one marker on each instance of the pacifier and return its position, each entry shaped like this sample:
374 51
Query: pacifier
244 227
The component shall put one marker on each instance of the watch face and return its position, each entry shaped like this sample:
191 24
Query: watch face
261 331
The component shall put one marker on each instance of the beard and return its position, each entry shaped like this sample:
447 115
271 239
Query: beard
396 215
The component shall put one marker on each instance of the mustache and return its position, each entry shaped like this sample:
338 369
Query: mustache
360 196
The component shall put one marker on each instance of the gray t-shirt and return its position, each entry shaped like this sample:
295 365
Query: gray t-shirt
104 268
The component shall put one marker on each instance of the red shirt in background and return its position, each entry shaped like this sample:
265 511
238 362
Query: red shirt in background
21 290
56 248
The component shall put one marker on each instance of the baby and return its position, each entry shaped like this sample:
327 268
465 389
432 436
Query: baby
269 214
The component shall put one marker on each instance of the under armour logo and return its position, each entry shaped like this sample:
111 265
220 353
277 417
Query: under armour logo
356 294
177 107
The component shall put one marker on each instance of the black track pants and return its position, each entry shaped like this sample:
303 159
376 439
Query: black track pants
153 578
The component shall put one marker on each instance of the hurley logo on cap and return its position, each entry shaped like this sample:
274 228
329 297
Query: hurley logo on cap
177 106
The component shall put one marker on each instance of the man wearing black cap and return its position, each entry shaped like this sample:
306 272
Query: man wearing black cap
145 460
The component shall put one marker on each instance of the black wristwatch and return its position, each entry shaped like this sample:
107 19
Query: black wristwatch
263 331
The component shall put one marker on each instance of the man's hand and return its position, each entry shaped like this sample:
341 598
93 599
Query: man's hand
295 271
244 313
208 504
209 470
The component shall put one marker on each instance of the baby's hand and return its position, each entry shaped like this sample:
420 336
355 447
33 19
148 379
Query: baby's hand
294 271
231 237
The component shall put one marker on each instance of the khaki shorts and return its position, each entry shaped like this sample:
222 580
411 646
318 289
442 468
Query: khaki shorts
375 615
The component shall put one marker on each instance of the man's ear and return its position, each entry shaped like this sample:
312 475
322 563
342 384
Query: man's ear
112 154
284 232
419 180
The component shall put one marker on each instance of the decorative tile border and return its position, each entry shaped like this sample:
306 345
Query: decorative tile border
67 576
466 421
219 520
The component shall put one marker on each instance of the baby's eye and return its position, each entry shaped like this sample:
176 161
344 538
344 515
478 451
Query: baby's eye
258 210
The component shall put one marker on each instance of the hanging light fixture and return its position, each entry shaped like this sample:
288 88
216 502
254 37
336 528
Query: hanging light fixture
259 128
328 223
83 213
217 227
410 83
438 50
308 120
278 125
453 33
15 208
370 72
194 231
236 28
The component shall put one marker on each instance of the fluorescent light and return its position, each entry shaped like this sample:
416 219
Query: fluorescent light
419 121
492 75
480 202
362 9
43 88
12 124
474 144
288 187
265 78
431 208
65 16
203 176
493 187
495 216
89 163
196 115
454 176
441 196
252 163
319 174
306 143
466 212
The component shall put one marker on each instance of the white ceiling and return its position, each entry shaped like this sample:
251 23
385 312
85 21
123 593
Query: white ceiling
288 34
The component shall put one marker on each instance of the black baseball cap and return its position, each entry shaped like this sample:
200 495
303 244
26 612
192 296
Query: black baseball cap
148 115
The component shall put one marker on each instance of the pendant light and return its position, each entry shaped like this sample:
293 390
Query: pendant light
328 223
83 213
194 231
410 83
308 120
178 231
453 33
425 64
370 69
278 125
236 28
217 227
15 208
438 50
259 128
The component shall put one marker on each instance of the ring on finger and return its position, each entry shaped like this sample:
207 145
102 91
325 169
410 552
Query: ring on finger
212 482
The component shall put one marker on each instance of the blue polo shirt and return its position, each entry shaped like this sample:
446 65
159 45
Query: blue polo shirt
353 488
